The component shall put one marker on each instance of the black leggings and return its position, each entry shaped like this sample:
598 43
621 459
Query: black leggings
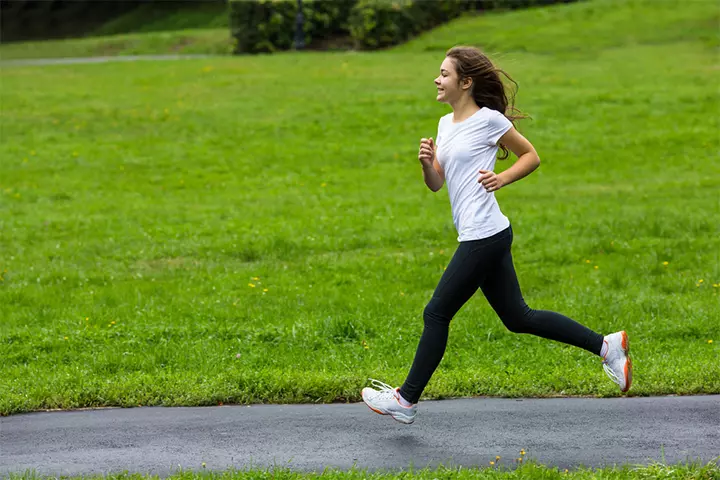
485 264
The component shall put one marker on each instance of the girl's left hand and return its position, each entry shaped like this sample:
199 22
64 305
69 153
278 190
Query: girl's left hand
490 181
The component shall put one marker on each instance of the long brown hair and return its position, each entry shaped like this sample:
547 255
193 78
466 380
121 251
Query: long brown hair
488 89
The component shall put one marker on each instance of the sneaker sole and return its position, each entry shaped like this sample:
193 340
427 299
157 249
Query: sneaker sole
628 364
376 411
371 408
401 420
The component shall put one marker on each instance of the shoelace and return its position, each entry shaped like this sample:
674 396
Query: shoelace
385 389
611 373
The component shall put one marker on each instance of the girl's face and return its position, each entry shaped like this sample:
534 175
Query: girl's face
450 90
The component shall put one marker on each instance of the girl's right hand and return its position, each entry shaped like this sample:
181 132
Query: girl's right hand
426 155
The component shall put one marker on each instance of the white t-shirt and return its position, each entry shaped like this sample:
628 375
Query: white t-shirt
462 150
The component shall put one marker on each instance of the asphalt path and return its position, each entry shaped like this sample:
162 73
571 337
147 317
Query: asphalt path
562 432
106 59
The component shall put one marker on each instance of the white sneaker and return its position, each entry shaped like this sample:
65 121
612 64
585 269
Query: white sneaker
617 363
385 401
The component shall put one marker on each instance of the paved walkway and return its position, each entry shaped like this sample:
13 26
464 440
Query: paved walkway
563 432
75 60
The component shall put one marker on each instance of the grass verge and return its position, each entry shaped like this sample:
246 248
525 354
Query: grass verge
530 471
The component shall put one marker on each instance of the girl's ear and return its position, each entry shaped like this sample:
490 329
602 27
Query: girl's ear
467 83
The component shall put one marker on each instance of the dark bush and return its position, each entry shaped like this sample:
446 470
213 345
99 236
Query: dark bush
269 25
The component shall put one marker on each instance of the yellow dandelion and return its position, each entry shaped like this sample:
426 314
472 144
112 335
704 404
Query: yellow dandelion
700 281
497 458
587 261
492 463
265 289
566 470
666 263
522 452
65 338
113 322
709 341
596 267
520 459
251 285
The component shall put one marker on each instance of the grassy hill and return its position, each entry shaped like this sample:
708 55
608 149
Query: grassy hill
256 229
582 28
579 28
155 28
159 17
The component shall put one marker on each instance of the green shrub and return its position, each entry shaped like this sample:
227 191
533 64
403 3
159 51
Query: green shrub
382 23
269 25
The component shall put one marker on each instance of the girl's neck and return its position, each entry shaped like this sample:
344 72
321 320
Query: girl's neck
464 109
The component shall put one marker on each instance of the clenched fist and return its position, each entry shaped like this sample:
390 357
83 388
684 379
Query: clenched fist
490 180
426 155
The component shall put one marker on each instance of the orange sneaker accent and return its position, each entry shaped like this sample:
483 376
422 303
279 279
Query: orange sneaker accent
628 364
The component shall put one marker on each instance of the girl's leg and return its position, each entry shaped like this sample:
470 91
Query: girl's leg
502 291
459 282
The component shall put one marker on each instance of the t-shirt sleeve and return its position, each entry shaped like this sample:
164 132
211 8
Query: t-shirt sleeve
497 126
438 137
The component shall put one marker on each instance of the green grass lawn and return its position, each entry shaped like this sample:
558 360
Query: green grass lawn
256 229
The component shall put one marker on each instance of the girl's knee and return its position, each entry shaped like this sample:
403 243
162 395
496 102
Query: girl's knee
517 320
433 313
